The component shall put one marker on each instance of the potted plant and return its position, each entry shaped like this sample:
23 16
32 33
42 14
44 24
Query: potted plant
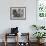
39 35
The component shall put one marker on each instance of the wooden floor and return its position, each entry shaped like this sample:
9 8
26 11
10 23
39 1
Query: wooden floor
13 44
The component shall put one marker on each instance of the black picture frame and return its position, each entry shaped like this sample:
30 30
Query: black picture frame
17 13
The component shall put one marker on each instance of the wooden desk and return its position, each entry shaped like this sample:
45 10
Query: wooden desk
17 43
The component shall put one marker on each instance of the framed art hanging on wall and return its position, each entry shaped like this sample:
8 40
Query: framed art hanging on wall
41 12
18 13
41 8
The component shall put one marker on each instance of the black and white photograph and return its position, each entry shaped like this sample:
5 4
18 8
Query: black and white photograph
18 13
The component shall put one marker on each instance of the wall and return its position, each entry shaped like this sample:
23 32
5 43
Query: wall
24 25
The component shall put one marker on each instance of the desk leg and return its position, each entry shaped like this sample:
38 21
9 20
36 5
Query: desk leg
5 43
5 40
17 40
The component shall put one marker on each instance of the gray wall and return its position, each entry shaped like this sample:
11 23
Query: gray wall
24 25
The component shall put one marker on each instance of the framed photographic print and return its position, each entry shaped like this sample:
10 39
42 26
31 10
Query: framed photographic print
41 8
41 12
18 13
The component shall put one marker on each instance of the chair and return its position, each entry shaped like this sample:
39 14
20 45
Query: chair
14 32
7 35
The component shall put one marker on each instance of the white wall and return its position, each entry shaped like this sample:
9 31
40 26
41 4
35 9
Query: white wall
24 25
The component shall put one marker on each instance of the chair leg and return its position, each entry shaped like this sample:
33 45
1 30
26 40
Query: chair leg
5 40
5 43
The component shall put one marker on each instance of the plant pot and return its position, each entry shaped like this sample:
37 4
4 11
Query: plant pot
40 41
